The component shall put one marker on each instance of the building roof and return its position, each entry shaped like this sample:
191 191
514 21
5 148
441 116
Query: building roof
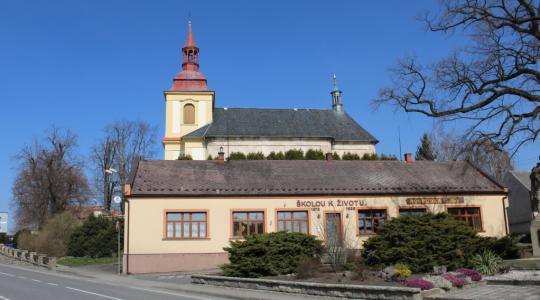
308 177
283 123
523 178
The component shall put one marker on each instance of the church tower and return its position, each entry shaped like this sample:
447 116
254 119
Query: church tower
189 106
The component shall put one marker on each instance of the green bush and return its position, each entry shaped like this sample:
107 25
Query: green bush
3 238
96 237
422 242
185 157
314 155
369 156
294 154
276 156
505 247
350 156
335 156
270 254
237 156
487 262
255 156
54 238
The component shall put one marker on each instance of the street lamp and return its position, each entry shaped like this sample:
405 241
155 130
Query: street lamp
112 171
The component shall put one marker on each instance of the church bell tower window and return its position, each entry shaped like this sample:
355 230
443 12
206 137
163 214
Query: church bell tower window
189 114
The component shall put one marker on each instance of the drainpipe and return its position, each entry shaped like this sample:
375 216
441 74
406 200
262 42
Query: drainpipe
504 215
127 192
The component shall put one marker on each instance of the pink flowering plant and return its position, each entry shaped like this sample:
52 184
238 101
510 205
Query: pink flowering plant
419 283
456 281
472 274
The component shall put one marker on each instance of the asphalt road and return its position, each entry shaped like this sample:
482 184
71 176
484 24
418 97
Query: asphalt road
27 284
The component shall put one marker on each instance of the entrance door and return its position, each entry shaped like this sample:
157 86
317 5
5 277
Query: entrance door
333 229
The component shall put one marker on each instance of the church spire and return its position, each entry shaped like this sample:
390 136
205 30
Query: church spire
190 79
336 96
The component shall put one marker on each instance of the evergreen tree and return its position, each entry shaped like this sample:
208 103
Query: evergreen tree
425 150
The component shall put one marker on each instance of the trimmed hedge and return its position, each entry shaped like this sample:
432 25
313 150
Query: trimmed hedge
270 254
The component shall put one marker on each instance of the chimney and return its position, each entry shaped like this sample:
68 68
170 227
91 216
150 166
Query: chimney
329 156
221 156
408 157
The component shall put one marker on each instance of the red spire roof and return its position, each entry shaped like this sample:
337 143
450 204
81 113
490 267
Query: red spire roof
189 79
190 41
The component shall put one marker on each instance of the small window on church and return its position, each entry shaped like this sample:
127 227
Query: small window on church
189 114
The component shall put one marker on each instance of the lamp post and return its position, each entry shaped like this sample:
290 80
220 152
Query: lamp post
118 200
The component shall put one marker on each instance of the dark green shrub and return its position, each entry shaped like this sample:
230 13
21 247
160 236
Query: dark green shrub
185 157
422 242
387 157
96 237
335 156
350 156
276 156
314 155
237 156
370 156
3 238
255 156
270 254
294 154
505 247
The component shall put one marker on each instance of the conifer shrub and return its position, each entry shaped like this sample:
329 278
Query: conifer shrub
96 237
294 154
422 242
255 156
185 157
270 254
336 156
314 155
276 156
350 156
237 156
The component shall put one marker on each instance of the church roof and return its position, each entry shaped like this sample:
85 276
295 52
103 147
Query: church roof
308 177
283 123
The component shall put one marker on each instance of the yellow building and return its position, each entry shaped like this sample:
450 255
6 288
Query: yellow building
180 214
195 127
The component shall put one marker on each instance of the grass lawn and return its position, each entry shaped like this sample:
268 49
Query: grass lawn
71 261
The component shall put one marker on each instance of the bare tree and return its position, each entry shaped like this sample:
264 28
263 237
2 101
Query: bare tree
50 179
493 84
485 155
123 144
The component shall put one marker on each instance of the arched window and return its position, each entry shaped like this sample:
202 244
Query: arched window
189 114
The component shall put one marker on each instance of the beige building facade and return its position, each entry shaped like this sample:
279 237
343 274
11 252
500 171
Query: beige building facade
183 221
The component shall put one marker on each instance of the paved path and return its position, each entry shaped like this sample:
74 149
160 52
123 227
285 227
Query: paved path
492 292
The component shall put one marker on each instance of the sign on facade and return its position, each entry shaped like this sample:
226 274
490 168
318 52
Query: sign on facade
3 222
433 200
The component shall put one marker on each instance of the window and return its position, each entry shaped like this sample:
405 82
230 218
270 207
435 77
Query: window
186 225
469 215
370 219
247 223
415 211
293 221
189 114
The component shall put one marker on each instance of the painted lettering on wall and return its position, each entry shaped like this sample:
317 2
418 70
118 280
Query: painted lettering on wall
439 200
330 203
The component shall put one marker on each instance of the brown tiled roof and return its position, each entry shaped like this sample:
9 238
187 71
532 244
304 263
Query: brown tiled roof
304 177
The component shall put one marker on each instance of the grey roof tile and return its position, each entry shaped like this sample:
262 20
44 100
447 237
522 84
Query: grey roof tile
290 123
305 177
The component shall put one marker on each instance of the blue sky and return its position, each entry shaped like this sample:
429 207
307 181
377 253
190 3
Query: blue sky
83 64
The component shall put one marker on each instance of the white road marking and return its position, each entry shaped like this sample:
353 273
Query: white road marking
7 274
172 294
53 284
36 280
91 293
3 298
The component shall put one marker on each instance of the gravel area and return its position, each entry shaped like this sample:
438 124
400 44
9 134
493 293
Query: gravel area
516 275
